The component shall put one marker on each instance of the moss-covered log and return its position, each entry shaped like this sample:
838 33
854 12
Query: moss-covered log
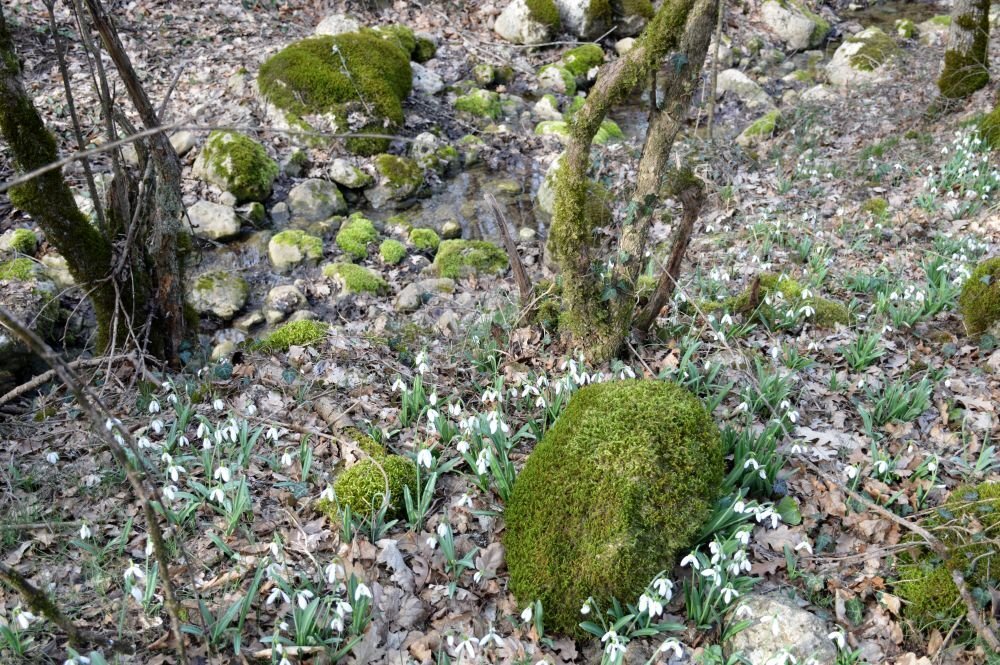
599 303
966 66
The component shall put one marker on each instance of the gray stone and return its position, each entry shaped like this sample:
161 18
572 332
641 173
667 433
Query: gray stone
842 71
451 230
214 221
347 175
735 82
249 320
576 17
516 25
425 80
282 301
546 196
220 293
623 46
314 200
526 234
280 214
778 626
412 296
223 350
183 141
293 247
337 24
792 24
228 199
546 108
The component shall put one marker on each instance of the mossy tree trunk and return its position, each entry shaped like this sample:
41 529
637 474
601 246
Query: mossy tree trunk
130 272
599 291
966 66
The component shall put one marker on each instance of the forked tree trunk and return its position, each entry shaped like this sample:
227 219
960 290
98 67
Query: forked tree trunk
598 298
966 59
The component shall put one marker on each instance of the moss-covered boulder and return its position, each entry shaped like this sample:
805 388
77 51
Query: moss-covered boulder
966 60
392 251
619 486
461 258
353 278
794 24
862 58
220 293
237 164
967 524
356 81
399 179
582 59
19 241
315 200
425 240
989 128
763 127
293 247
304 332
979 301
432 153
480 103
355 235
556 78
376 478
528 21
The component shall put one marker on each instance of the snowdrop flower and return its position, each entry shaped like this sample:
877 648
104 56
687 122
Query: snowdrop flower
149 547
251 409
286 459
851 472
729 594
431 542
134 572
398 385
24 619
712 574
743 536
672 645
424 458
218 404
483 461
182 441
169 492
422 363
664 587
881 466
526 614
217 495
462 446
653 607
52 457
201 431
157 426
327 494
144 442
466 644
362 592
272 433
837 637
491 636
275 594
84 532
303 597
455 409
751 462
154 406
333 572
222 473
690 560
174 471
586 607
804 545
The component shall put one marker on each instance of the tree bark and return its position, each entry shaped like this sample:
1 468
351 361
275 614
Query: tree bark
966 59
599 299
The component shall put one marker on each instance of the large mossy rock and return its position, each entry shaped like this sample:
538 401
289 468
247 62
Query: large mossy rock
863 58
979 301
356 81
619 487
237 164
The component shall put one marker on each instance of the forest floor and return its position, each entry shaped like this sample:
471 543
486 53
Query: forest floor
863 197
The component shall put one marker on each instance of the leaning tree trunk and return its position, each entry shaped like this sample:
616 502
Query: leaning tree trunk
599 294
132 275
966 66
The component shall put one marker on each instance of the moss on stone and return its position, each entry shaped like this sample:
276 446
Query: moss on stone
989 128
979 301
354 236
876 49
305 247
305 332
619 486
351 73
941 19
556 71
552 128
460 258
544 12
608 132
905 28
238 164
355 278
398 35
23 241
966 524
480 103
765 125
399 172
362 487
392 251
643 8
582 59
424 50
425 239
876 206
575 105
599 11
20 269
966 69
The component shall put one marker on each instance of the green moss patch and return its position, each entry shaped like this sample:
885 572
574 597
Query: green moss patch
876 49
237 164
20 269
642 8
989 128
400 173
966 67
355 278
22 241
364 486
480 103
826 313
296 333
582 59
545 12
979 301
425 240
877 206
619 486
362 73
355 235
392 251
966 524
461 258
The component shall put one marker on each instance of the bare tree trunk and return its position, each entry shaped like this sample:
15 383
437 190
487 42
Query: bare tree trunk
966 59
599 303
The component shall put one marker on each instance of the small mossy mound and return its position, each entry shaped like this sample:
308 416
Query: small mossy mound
297 333
545 12
979 301
353 74
619 486
558 78
392 251
400 173
426 240
292 247
355 278
20 269
876 49
967 524
355 235
876 206
23 241
424 50
397 34
362 487
989 128
582 59
608 132
237 164
480 103
461 258
826 313
905 28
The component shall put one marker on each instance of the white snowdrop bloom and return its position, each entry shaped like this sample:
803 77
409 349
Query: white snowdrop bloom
154 406
84 532
742 612
149 547
540 402
433 399
775 352
169 492
743 536
851 472
218 404
804 545
743 406
398 385
672 645
201 431
272 433
156 426
327 494
932 466
251 409
302 597
796 449
727 320
443 530
463 446
729 594
286 459
110 423
712 574
838 638
24 619
664 587
775 625
144 442
586 607
134 572
222 473
432 415
172 398
881 466
690 560
455 409
182 441
52 457
739 507
217 495
362 591
610 636
431 542
526 614
276 594
483 461
174 471
751 462
490 637
333 572
650 605
284 661
424 458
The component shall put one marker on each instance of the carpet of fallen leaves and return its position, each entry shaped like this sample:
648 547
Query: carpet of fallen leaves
795 205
